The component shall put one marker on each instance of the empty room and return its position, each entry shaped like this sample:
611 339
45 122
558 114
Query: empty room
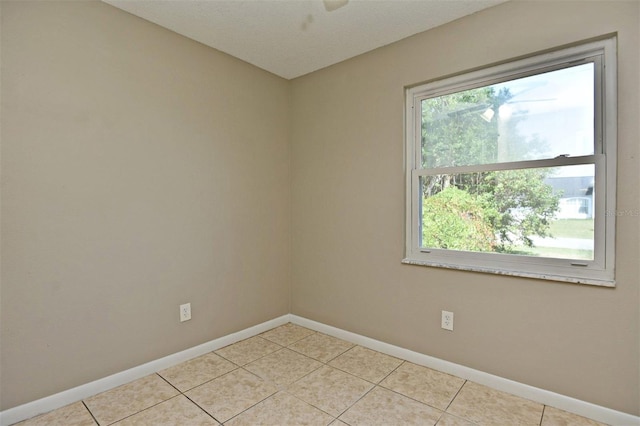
288 212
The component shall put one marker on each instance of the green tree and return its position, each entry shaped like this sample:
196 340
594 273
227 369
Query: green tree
519 204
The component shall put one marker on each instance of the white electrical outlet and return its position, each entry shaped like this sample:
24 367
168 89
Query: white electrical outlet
185 312
447 320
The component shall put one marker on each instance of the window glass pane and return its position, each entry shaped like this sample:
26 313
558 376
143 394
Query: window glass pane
546 212
537 117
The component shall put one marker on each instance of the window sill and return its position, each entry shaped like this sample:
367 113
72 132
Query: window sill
496 271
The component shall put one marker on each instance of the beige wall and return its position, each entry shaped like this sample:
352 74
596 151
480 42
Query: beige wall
140 170
348 215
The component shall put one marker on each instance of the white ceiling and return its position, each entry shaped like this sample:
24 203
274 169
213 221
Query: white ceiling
291 38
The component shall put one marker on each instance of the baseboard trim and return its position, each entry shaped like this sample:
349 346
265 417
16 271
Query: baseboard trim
582 408
34 408
586 409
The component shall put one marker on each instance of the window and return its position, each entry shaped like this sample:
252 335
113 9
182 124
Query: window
511 169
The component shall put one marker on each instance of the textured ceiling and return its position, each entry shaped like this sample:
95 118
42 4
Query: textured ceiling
291 38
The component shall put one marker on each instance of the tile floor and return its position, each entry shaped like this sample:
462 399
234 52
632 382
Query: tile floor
291 375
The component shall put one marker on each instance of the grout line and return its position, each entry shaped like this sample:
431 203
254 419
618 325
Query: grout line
544 407
455 396
458 417
253 360
257 403
413 399
145 409
310 404
356 401
351 374
392 371
168 382
90 413
307 374
205 411
341 353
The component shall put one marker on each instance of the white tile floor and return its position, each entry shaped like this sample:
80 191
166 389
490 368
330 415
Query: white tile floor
291 375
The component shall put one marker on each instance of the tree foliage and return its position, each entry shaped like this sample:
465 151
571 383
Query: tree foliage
519 205
454 133
454 219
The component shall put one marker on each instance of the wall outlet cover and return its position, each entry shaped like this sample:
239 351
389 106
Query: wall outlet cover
185 312
447 320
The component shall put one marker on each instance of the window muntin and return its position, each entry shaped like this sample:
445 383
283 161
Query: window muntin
537 126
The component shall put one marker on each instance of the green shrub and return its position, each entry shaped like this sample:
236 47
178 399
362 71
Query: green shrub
454 219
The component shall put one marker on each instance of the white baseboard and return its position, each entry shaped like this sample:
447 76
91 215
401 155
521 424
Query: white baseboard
586 409
31 409
582 408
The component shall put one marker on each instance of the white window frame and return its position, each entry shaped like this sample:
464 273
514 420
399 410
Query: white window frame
600 270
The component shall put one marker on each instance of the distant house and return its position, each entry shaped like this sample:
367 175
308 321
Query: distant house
576 201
